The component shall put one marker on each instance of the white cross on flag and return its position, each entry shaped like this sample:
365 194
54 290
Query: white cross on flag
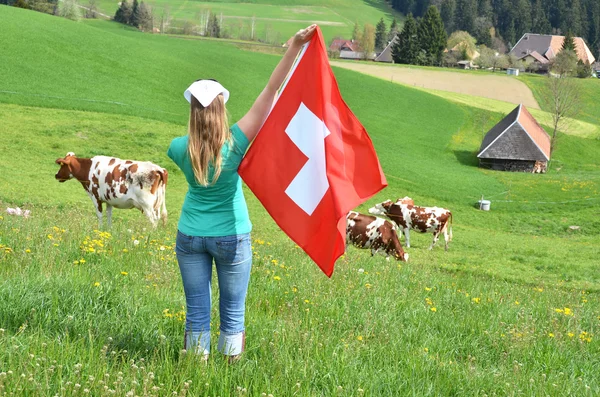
312 160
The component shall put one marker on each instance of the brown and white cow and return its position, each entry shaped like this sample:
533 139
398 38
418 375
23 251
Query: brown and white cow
422 219
118 183
366 231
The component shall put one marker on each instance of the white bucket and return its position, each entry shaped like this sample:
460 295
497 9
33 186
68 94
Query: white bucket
484 205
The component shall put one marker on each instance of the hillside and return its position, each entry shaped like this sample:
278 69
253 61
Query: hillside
275 20
511 308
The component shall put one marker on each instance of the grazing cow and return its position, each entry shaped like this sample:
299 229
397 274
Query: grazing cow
366 231
119 183
421 219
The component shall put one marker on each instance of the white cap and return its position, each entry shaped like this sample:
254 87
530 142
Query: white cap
205 91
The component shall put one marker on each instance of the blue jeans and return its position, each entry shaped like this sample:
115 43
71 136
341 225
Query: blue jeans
233 259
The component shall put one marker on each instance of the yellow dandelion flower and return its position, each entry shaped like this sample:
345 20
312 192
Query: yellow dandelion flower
517 303
476 300
550 335
82 261
426 350
274 261
276 278
50 237
96 284
125 250
433 309
28 251
570 334
56 245
568 312
427 289
306 301
294 289
558 310
368 285
359 337
124 273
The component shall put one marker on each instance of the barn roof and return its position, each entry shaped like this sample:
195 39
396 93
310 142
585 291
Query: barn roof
386 54
518 136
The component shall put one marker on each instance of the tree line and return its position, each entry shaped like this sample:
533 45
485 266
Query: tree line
507 20
421 42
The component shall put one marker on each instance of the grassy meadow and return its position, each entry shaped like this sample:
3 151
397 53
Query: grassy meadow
275 20
511 309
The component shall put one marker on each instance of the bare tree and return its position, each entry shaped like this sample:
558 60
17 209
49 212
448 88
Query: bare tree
165 19
92 10
566 104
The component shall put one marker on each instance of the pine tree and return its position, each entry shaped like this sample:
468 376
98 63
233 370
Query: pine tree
522 18
123 14
393 30
145 20
447 13
569 42
380 35
593 37
406 48
484 8
135 14
539 20
464 15
574 22
432 36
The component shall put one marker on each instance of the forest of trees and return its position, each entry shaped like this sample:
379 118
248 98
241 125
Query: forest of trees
507 20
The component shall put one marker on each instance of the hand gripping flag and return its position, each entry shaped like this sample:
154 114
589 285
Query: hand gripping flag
312 160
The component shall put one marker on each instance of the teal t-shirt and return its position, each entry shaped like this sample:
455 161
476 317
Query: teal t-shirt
219 209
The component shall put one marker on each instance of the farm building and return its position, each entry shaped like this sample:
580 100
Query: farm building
543 48
386 54
516 143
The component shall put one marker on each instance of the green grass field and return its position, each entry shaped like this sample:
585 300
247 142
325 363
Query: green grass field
276 20
510 309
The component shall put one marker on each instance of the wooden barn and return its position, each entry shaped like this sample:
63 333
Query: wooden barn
516 143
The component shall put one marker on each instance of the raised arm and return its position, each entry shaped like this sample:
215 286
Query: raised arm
256 116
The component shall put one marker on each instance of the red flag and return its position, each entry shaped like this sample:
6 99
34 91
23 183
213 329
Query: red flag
312 160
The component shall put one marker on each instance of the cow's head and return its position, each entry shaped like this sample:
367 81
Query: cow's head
65 171
403 256
406 200
381 208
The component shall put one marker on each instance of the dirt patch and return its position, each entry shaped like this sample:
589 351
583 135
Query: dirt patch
324 23
500 87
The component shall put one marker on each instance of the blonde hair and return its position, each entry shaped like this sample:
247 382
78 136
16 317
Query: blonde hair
208 131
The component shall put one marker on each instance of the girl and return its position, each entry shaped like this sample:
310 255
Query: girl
214 223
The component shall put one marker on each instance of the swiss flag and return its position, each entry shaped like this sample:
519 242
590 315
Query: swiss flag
312 160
